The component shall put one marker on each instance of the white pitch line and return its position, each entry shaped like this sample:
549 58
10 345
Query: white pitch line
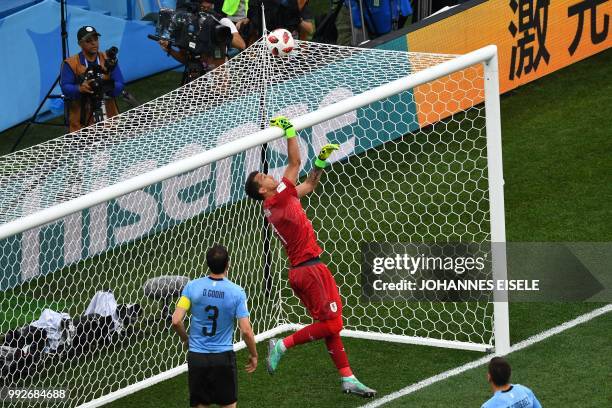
484 360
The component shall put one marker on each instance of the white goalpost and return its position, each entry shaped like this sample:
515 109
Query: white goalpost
100 228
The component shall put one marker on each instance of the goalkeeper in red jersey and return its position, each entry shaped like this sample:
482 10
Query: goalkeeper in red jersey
310 279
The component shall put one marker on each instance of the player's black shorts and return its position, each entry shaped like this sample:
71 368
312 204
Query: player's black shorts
213 378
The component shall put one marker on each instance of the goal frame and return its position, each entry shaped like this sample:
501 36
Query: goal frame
487 56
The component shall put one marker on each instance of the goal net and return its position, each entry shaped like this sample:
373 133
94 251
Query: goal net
99 229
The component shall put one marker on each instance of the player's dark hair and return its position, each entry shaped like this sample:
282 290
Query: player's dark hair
500 371
251 187
217 259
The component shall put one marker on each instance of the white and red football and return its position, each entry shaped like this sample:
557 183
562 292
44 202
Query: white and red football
280 42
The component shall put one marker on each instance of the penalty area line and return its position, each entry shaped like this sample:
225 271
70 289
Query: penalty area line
484 360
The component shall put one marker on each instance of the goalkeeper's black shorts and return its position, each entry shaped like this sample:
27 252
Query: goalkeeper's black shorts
213 378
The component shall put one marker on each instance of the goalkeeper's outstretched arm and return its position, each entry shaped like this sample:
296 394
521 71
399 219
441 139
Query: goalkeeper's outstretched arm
311 182
293 150
309 185
293 154
294 160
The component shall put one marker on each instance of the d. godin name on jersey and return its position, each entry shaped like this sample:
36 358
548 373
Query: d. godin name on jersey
218 294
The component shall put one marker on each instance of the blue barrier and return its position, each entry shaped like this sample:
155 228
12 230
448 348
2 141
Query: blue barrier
12 6
379 14
32 57
130 9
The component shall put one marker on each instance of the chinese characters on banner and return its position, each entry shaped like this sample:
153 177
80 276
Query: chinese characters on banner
533 37
581 9
530 25
531 32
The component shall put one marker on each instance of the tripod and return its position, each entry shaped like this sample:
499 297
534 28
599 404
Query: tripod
32 120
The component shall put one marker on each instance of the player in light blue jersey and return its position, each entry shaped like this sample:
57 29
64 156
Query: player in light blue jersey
506 395
215 303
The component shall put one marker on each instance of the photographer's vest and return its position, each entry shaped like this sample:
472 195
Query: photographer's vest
230 7
79 69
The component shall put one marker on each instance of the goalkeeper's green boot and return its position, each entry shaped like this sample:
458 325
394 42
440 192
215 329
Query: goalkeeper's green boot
274 355
351 385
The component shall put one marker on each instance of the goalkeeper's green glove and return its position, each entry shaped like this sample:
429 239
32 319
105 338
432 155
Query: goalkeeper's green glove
283 123
326 151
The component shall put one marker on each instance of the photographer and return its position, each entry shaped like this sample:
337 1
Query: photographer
214 54
90 80
238 11
292 15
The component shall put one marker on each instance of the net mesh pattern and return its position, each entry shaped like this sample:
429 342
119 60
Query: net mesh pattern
201 112
411 168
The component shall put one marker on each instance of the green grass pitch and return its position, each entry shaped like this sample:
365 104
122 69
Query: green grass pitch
556 144
556 141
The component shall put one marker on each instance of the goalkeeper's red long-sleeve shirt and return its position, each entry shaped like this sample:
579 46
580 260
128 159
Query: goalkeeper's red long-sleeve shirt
290 223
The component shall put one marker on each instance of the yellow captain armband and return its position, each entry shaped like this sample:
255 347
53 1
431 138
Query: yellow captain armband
184 303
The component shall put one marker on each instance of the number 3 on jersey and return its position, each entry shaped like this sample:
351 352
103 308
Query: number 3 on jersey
213 315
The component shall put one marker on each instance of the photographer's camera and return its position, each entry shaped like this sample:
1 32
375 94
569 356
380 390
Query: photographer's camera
94 87
198 33
90 81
